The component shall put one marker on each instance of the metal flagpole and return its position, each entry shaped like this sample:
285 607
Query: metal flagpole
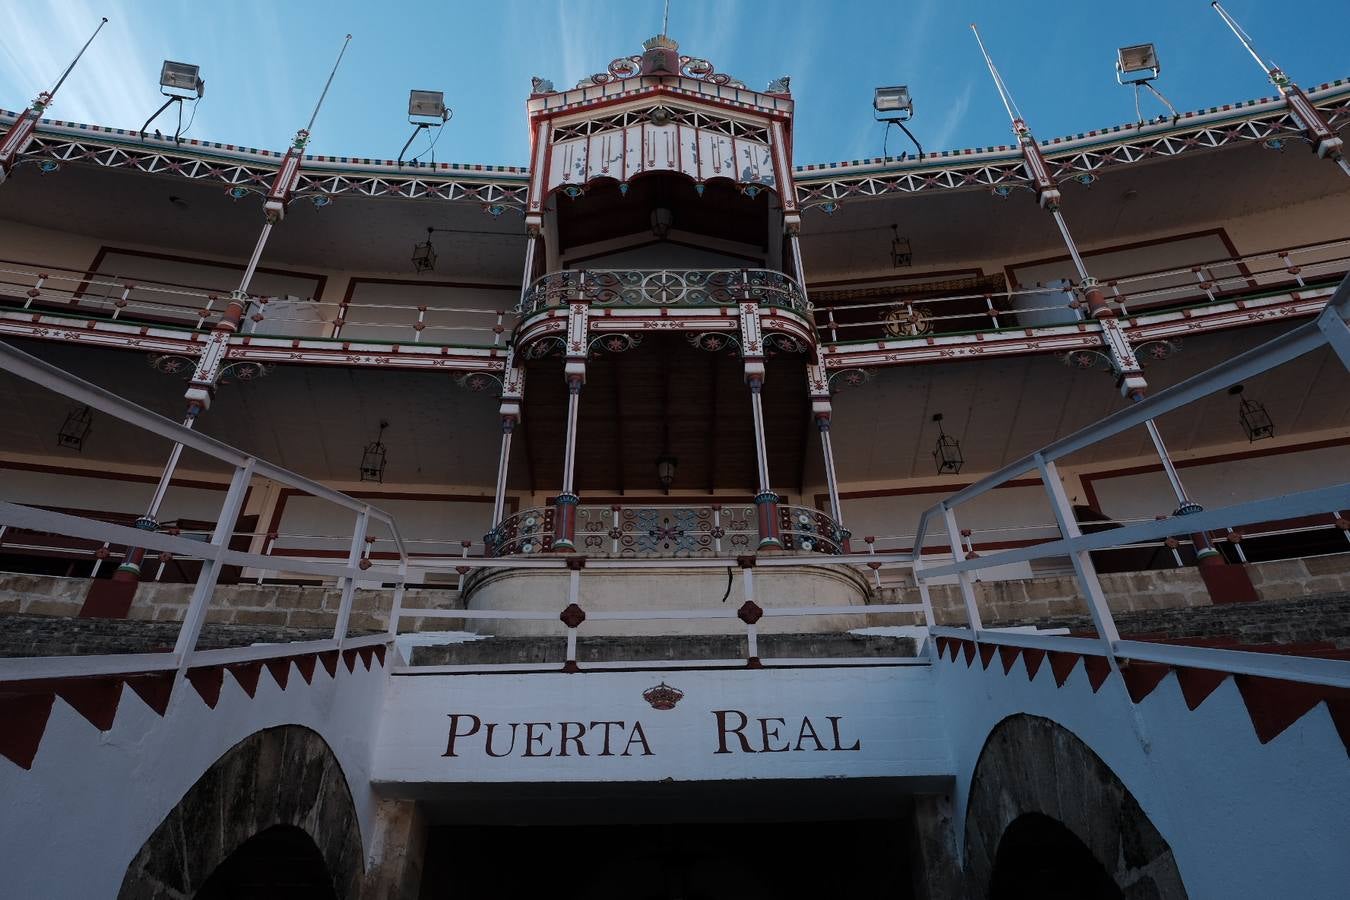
202 386
1132 382
20 134
1324 140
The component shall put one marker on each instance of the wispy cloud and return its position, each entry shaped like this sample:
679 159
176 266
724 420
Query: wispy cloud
951 122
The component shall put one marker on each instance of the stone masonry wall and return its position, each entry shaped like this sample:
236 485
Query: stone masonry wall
1000 601
292 606
1047 598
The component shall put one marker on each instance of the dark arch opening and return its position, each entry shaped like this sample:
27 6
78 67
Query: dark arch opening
1039 857
278 863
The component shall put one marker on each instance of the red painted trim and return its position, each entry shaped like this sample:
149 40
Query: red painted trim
918 489
320 280
977 272
103 475
1089 479
570 261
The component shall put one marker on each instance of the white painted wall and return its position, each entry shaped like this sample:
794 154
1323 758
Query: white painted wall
70 826
1244 820
890 712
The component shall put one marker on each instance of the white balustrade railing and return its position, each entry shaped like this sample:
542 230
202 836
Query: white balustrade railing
1208 283
1331 328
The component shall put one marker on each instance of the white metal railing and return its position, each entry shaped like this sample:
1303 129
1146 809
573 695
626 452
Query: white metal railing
1207 283
68 292
213 554
1331 328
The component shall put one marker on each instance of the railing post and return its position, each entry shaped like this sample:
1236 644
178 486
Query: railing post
615 529
750 612
396 605
962 578
573 615
717 531
195 616
462 569
1334 322
354 562
1082 561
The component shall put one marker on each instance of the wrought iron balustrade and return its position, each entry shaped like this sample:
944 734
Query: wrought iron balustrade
664 288
644 532
803 528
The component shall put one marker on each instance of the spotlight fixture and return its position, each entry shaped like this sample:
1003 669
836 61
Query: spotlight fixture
665 470
1137 66
901 255
1253 416
178 82
374 457
893 105
426 110
893 100
424 255
75 428
947 453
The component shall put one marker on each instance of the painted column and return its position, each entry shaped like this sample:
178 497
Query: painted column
565 518
766 501
822 409
513 390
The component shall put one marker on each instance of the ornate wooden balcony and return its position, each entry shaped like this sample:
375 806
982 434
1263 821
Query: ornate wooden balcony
664 288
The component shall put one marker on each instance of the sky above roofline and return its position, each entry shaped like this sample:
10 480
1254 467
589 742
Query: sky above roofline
265 62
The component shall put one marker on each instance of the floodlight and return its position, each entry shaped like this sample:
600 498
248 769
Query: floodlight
177 76
177 82
1137 64
894 99
894 106
427 105
426 110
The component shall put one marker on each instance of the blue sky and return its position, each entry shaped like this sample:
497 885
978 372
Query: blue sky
264 62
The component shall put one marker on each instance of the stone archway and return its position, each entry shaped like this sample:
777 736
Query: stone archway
282 776
1043 791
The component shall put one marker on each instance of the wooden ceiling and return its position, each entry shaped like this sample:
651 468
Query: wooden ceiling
664 397
721 211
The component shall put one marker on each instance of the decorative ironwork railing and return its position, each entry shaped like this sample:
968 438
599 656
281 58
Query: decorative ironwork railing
669 531
645 532
664 288
803 528
528 531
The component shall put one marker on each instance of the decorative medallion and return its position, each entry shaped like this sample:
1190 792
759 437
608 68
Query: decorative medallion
663 696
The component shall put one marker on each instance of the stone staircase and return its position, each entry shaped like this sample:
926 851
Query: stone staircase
32 635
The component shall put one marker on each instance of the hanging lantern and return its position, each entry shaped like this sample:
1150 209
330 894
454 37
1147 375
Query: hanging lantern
665 470
947 453
424 255
373 460
1253 416
75 428
901 255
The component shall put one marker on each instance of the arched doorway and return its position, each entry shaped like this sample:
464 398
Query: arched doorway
278 863
1039 857
1046 814
278 799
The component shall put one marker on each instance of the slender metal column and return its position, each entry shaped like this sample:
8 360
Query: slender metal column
831 480
766 501
499 501
564 527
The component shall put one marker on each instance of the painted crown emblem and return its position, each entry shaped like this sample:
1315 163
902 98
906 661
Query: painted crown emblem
663 696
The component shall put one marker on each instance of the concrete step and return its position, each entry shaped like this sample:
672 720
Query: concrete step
517 650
